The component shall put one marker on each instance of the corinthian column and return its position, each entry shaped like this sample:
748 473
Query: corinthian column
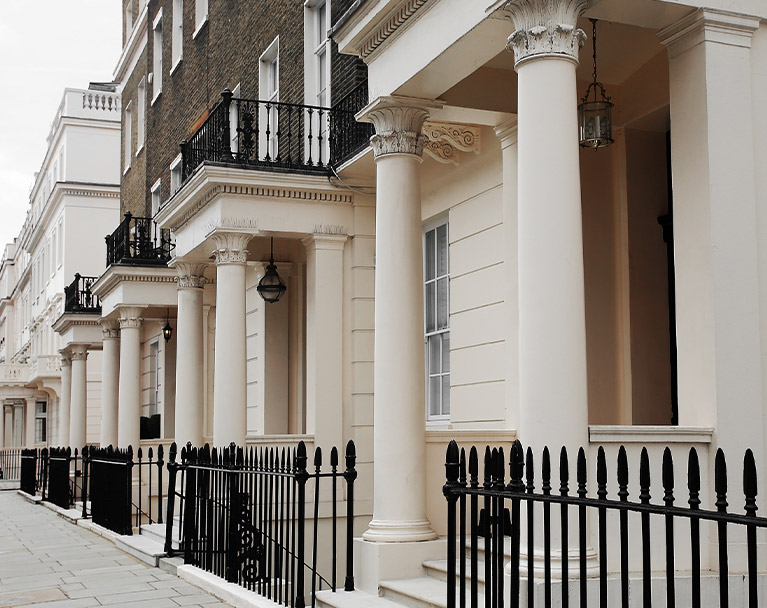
552 326
110 375
399 501
189 354
129 393
79 403
229 405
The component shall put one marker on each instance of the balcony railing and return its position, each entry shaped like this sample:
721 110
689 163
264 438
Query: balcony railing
139 242
278 136
78 296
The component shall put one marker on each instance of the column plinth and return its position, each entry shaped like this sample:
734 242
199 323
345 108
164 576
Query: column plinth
129 391
229 389
399 500
66 399
189 354
79 401
110 378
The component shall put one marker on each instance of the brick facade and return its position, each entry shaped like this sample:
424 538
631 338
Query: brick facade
225 52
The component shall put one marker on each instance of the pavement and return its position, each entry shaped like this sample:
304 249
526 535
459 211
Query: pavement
47 561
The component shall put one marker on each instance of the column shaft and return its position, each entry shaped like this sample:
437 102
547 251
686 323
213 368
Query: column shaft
129 392
66 400
324 339
552 326
110 379
189 356
229 391
8 430
399 499
29 425
79 407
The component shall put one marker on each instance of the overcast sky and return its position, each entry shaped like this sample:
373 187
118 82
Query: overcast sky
45 45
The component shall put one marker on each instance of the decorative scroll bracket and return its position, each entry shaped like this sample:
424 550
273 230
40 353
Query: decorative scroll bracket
446 140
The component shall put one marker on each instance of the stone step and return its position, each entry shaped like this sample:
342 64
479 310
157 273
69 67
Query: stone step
422 592
437 569
353 599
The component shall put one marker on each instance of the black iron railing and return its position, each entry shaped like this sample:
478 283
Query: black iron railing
110 488
495 493
139 242
29 473
243 517
275 135
150 463
78 296
10 463
349 136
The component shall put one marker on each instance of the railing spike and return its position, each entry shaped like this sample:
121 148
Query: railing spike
582 472
546 471
473 465
501 467
529 471
644 476
693 475
668 474
488 466
749 482
318 456
601 473
452 462
720 480
564 472
334 456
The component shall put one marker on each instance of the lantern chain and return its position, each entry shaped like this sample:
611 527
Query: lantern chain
594 45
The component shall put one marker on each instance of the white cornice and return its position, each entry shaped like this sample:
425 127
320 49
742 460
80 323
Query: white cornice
210 182
376 24
117 274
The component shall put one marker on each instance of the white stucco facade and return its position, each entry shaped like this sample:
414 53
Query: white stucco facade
75 197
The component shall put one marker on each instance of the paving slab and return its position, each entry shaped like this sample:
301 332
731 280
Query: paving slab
47 561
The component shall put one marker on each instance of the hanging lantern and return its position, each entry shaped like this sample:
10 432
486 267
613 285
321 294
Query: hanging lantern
271 287
595 109
167 331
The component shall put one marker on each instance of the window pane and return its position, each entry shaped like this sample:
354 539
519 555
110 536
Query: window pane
430 307
446 394
446 352
321 27
434 396
442 303
429 253
442 250
434 354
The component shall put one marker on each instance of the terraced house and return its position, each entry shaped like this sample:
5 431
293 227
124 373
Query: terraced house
409 222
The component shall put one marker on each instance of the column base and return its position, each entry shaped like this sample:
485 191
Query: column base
388 531
380 561
573 563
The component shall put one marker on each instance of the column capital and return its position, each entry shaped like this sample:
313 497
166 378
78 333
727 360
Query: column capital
507 132
130 318
398 122
78 352
333 242
191 274
230 247
545 28
110 330
66 358
707 25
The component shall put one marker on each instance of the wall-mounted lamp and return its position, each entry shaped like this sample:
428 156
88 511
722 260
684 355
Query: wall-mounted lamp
167 331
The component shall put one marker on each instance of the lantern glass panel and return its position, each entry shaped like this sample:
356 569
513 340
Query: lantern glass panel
596 124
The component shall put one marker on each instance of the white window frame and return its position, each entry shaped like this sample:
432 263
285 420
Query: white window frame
140 116
154 391
128 19
270 57
60 254
42 416
175 175
316 49
200 16
157 40
156 196
177 35
128 135
438 333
